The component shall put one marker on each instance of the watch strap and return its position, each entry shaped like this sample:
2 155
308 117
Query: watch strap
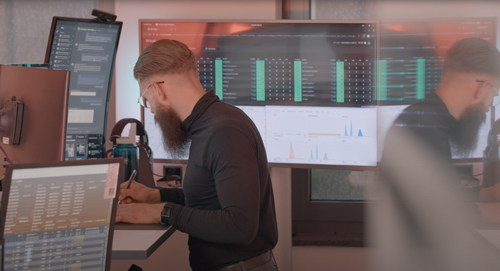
166 213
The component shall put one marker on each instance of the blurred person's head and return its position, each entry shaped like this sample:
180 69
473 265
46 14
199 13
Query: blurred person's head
169 84
470 81
473 55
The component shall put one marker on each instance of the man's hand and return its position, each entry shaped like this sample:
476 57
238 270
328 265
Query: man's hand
139 213
138 193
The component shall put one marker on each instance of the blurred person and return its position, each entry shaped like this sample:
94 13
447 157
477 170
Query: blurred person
226 205
422 216
450 117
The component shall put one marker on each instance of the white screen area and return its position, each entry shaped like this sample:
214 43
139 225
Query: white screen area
304 135
31 173
388 114
317 135
322 135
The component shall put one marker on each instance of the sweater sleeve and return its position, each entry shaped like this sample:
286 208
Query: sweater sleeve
231 156
174 195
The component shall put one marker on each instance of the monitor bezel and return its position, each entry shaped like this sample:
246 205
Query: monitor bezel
57 19
8 178
279 21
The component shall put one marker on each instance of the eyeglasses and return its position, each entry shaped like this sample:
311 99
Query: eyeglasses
143 101
496 98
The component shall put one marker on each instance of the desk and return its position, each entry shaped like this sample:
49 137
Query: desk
138 242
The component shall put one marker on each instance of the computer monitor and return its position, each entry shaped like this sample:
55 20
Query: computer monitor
411 58
38 133
309 86
87 48
60 215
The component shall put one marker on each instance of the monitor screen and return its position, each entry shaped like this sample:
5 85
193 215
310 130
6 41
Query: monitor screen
411 58
60 216
44 95
412 53
309 86
88 49
386 115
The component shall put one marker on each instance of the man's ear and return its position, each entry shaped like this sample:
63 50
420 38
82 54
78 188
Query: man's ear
479 91
162 91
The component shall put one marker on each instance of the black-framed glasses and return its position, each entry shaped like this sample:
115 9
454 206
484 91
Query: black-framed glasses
143 101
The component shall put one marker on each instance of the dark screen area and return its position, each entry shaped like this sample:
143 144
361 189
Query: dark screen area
257 64
411 54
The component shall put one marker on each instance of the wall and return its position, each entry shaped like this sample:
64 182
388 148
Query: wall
25 26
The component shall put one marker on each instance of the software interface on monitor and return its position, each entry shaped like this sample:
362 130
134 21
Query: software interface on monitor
87 50
411 59
411 54
58 218
290 79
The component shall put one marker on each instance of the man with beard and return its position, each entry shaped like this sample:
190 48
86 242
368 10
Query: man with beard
450 118
422 218
226 205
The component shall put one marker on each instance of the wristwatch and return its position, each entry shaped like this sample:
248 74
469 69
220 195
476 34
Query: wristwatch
166 212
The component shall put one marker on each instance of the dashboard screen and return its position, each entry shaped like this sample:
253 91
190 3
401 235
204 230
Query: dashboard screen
309 86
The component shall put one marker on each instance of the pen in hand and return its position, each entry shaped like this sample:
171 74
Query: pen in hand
132 176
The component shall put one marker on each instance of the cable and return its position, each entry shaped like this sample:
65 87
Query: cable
6 156
478 174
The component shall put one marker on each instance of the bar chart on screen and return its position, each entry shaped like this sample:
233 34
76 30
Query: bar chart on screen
323 135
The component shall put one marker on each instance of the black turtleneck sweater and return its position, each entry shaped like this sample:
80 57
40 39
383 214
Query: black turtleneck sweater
431 124
429 121
228 200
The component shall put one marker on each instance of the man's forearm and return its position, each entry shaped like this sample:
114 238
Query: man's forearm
174 195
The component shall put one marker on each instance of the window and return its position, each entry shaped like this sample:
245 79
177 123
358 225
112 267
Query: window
328 206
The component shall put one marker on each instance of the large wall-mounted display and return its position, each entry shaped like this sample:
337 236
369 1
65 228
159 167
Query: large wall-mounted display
411 58
308 85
